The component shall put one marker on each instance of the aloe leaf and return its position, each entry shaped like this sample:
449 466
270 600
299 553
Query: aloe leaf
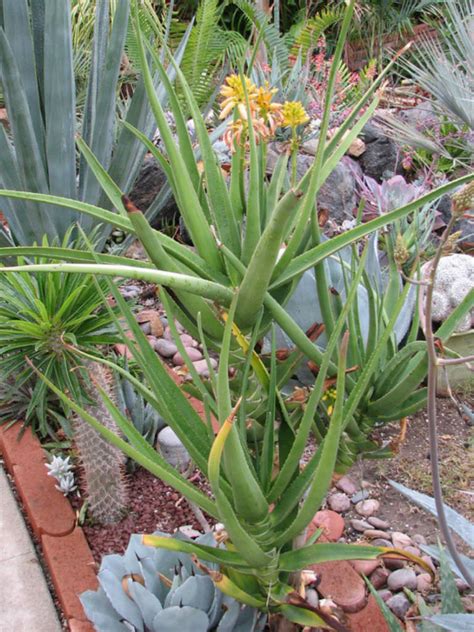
449 325
318 553
454 622
467 561
456 522
202 551
69 254
450 598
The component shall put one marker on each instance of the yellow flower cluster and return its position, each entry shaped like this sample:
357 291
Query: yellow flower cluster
265 114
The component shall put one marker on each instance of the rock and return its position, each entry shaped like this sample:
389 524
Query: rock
373 534
129 291
379 577
359 525
148 184
381 158
188 341
401 540
402 578
413 550
367 507
384 594
331 523
461 585
393 564
339 502
464 225
423 582
166 348
419 539
312 597
346 485
146 328
382 542
399 605
365 567
378 523
357 148
194 356
152 317
429 561
201 366
358 496
338 193
422 116
171 448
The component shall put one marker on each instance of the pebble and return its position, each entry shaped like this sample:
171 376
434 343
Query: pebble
339 502
170 446
374 533
423 582
201 366
188 341
346 485
429 560
419 539
382 542
194 355
358 496
312 597
394 564
385 594
402 578
130 291
399 605
367 507
401 540
359 525
378 523
461 585
165 348
146 328
414 550
379 577
365 567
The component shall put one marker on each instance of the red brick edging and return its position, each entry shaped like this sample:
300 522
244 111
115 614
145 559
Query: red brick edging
72 567
65 548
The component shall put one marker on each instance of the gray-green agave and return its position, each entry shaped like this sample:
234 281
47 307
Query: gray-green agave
149 589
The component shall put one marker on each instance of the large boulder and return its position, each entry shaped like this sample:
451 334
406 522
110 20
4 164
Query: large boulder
149 183
381 158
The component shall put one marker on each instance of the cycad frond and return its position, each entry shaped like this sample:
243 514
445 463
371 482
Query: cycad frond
304 36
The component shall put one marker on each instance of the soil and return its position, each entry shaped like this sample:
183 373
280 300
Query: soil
412 467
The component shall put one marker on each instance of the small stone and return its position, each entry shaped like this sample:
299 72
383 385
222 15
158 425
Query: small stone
339 502
365 567
413 550
372 534
423 582
171 448
359 525
331 523
378 523
419 539
402 578
357 148
188 341
130 291
201 366
189 531
429 561
399 604
367 507
382 542
393 564
461 585
346 485
146 328
194 356
312 597
166 348
151 316
358 496
385 594
401 540
379 577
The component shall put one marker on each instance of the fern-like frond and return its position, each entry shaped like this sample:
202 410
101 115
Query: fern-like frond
304 36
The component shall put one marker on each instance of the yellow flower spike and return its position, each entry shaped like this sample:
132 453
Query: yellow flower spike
294 114
271 113
234 95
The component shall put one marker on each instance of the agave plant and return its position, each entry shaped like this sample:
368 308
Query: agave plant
150 589
38 82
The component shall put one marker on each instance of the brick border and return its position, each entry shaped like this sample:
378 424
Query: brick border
66 551
72 567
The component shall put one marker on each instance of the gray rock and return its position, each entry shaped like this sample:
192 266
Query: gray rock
402 578
367 507
378 523
166 348
188 341
359 525
463 225
129 291
339 502
346 485
419 539
172 450
312 597
194 356
381 158
384 542
146 328
422 116
379 577
384 594
201 366
148 184
358 496
338 193
399 605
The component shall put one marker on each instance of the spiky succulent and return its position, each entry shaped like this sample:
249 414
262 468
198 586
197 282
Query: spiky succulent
149 589
103 463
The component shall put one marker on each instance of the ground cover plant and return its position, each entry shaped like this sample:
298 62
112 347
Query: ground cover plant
254 238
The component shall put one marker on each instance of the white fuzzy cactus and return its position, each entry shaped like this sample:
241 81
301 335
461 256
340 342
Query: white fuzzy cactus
454 279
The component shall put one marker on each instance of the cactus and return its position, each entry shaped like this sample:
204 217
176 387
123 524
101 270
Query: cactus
150 589
103 463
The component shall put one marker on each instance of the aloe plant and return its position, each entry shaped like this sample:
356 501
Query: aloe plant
38 82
